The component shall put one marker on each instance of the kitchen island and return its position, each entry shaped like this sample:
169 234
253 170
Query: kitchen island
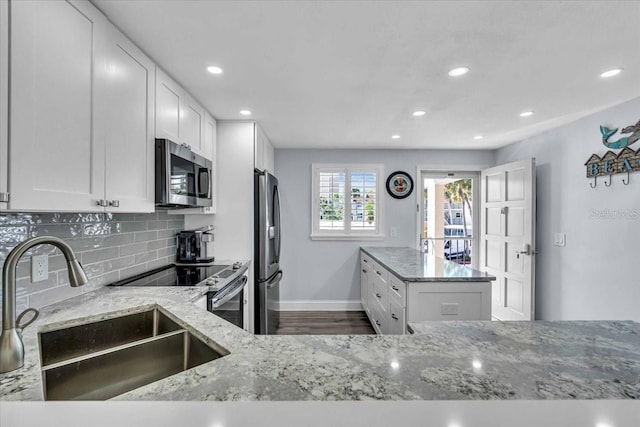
441 361
400 285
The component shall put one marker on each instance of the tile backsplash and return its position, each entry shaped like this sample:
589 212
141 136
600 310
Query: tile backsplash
109 246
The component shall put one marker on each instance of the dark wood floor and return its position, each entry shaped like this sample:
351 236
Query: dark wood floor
324 323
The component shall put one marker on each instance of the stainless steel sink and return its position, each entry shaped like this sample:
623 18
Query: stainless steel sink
100 360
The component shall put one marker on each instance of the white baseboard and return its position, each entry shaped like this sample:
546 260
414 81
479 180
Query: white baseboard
328 305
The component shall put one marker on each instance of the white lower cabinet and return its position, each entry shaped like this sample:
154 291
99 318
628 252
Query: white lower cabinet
390 302
449 301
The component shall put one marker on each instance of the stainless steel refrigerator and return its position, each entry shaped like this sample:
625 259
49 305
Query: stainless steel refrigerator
267 252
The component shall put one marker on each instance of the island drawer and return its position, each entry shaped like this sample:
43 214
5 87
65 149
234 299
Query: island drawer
380 293
378 320
397 290
397 319
365 260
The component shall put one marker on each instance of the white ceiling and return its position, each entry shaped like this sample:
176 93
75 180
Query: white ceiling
348 74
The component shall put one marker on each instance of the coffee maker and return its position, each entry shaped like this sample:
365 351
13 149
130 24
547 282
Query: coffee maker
195 246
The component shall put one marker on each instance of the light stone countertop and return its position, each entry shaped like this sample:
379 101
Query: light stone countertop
411 265
442 361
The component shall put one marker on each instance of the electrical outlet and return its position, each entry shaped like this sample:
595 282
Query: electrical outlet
39 268
449 308
559 239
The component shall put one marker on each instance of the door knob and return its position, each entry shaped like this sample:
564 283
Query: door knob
526 250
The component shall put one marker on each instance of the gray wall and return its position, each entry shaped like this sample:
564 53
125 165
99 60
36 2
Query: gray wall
596 275
328 270
109 246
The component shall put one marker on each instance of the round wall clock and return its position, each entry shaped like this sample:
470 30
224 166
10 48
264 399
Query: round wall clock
399 185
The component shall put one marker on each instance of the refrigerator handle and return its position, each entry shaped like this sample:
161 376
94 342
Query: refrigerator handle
275 279
276 220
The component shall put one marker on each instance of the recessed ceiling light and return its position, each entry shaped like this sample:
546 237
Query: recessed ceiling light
214 70
395 136
526 114
611 73
459 71
245 112
476 364
478 137
419 113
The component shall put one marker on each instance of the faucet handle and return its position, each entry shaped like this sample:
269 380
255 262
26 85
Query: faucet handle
36 313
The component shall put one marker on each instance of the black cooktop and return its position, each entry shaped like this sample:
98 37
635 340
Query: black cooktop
172 275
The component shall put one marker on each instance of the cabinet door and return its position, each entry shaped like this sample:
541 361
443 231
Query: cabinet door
54 45
4 100
396 318
192 124
127 83
263 151
168 99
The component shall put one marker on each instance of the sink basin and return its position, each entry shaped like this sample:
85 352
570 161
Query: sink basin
100 360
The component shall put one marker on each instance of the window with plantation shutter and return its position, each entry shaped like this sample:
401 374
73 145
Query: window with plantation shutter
345 203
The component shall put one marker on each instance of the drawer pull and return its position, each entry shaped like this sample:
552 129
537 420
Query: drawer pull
378 322
395 288
378 295
364 271
378 273
393 316
365 260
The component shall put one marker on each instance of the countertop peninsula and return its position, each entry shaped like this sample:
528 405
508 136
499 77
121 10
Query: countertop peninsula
442 361
411 265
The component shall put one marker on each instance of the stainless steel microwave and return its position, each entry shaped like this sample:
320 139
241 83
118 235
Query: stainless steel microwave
183 178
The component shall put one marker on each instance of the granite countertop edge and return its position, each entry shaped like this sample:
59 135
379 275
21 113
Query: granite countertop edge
387 264
519 360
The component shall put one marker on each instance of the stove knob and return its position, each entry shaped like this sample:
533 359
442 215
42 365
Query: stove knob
212 281
236 265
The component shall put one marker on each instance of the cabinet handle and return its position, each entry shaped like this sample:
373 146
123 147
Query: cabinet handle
101 202
364 271
394 288
393 316
378 322
114 203
378 273
364 260
378 295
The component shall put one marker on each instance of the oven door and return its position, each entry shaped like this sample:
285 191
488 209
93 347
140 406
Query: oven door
228 302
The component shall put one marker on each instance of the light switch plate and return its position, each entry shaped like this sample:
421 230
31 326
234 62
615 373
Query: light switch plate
39 268
559 239
393 232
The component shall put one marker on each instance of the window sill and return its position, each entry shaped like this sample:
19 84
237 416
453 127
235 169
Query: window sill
368 237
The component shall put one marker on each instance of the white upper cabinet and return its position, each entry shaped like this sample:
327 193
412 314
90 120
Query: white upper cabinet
128 85
53 146
81 112
168 98
192 124
179 117
263 151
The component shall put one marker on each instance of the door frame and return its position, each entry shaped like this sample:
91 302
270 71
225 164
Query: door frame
466 170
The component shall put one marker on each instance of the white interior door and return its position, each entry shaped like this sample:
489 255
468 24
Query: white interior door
507 238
